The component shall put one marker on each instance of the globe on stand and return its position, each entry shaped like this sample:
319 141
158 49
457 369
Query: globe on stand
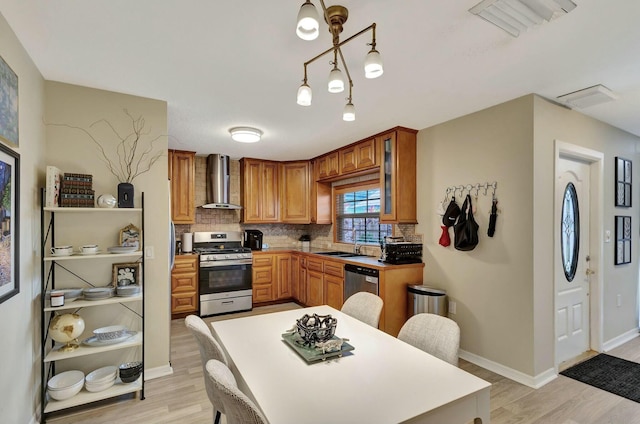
66 329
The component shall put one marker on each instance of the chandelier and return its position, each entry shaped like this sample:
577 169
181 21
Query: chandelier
308 29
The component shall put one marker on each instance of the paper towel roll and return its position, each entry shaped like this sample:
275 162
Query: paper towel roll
187 241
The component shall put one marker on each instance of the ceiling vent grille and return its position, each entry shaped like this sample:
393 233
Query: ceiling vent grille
588 97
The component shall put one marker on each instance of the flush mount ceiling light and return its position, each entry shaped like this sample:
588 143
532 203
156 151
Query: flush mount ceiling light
245 134
588 97
516 16
335 17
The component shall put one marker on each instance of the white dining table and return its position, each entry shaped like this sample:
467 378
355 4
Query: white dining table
383 380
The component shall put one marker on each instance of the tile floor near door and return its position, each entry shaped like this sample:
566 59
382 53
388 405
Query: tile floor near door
181 397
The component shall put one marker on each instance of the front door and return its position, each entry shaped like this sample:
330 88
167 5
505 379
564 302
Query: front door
572 264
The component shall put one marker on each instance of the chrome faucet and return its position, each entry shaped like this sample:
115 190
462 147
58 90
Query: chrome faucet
356 246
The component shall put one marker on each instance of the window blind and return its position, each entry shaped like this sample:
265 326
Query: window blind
358 217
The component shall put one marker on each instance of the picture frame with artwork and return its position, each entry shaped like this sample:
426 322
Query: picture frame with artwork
9 223
131 236
8 105
126 274
623 182
622 253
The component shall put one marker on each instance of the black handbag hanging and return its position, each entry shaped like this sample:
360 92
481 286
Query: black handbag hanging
466 229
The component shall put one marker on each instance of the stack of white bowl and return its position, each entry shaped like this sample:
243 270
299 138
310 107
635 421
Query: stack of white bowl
128 291
65 385
98 293
101 379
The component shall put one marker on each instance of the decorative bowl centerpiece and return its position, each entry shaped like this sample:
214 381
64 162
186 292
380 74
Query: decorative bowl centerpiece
316 328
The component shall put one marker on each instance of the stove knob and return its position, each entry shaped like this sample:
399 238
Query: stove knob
227 256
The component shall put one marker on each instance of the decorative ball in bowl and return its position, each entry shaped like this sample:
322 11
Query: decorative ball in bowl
316 328
107 201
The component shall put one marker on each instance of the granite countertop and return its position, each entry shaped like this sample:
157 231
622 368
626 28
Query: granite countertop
370 261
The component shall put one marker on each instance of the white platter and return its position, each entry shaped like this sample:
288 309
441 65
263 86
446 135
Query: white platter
61 254
89 253
93 340
122 249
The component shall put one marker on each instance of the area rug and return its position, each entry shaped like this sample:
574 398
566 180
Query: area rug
615 375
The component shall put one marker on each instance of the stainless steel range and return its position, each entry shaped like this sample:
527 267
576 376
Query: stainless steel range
225 272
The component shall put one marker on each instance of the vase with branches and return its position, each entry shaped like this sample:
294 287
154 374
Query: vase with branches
133 156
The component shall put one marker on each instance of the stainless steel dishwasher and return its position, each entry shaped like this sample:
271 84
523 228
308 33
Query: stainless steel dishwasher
358 278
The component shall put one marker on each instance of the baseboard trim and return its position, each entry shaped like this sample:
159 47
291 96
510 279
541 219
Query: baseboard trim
157 372
534 382
620 340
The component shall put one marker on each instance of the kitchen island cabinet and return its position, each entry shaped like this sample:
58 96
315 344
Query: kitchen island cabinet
184 286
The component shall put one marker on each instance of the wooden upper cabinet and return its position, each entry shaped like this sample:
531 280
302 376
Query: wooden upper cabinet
295 196
398 176
358 157
328 166
182 172
259 190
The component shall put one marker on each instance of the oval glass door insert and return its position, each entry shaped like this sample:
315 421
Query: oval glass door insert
570 232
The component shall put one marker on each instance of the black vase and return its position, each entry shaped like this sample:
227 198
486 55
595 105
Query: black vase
125 195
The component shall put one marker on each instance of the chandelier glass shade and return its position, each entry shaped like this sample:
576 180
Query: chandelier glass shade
335 17
308 22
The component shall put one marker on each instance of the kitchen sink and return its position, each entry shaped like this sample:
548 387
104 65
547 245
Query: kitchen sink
342 254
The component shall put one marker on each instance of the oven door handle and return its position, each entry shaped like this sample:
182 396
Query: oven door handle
214 264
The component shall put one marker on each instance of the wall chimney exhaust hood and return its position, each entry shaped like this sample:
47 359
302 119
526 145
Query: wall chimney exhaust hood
218 183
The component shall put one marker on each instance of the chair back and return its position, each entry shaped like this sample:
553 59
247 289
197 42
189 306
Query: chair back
239 409
435 334
365 307
209 349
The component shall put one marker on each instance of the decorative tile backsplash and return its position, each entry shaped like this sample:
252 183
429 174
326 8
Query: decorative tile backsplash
275 235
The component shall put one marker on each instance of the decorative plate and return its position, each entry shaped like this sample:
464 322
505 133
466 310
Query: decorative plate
313 354
93 340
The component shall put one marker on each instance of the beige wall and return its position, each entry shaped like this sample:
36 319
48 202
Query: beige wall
72 151
20 315
504 288
491 285
552 123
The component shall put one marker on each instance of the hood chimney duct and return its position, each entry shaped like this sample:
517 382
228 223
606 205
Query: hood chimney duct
218 183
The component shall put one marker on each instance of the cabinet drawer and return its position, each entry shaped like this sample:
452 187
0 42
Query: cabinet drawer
184 302
187 282
334 268
188 264
262 275
262 293
314 265
262 260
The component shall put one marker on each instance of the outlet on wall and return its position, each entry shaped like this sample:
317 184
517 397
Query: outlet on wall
452 307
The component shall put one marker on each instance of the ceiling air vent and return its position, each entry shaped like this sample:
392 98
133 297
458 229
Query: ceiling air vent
588 97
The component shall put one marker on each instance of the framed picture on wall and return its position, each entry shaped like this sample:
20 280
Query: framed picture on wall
9 223
623 240
623 182
8 104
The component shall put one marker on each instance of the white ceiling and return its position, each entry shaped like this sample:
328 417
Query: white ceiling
235 63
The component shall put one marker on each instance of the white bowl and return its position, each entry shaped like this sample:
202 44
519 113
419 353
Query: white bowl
98 387
109 333
101 375
65 385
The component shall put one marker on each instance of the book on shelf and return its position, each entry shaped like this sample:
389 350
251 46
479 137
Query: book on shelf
53 185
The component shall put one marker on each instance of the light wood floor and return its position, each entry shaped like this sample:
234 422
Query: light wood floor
181 397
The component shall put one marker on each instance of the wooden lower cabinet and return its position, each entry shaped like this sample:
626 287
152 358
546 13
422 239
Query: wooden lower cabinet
315 288
333 291
271 277
184 286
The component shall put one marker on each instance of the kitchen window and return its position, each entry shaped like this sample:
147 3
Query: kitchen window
358 215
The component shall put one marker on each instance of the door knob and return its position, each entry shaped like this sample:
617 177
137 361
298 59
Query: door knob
590 272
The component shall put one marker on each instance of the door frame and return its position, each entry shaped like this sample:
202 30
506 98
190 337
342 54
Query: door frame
595 159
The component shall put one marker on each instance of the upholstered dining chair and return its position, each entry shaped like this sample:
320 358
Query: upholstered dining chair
209 349
365 307
435 334
239 409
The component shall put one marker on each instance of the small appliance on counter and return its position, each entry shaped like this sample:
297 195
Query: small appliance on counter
187 242
253 239
396 251
306 242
